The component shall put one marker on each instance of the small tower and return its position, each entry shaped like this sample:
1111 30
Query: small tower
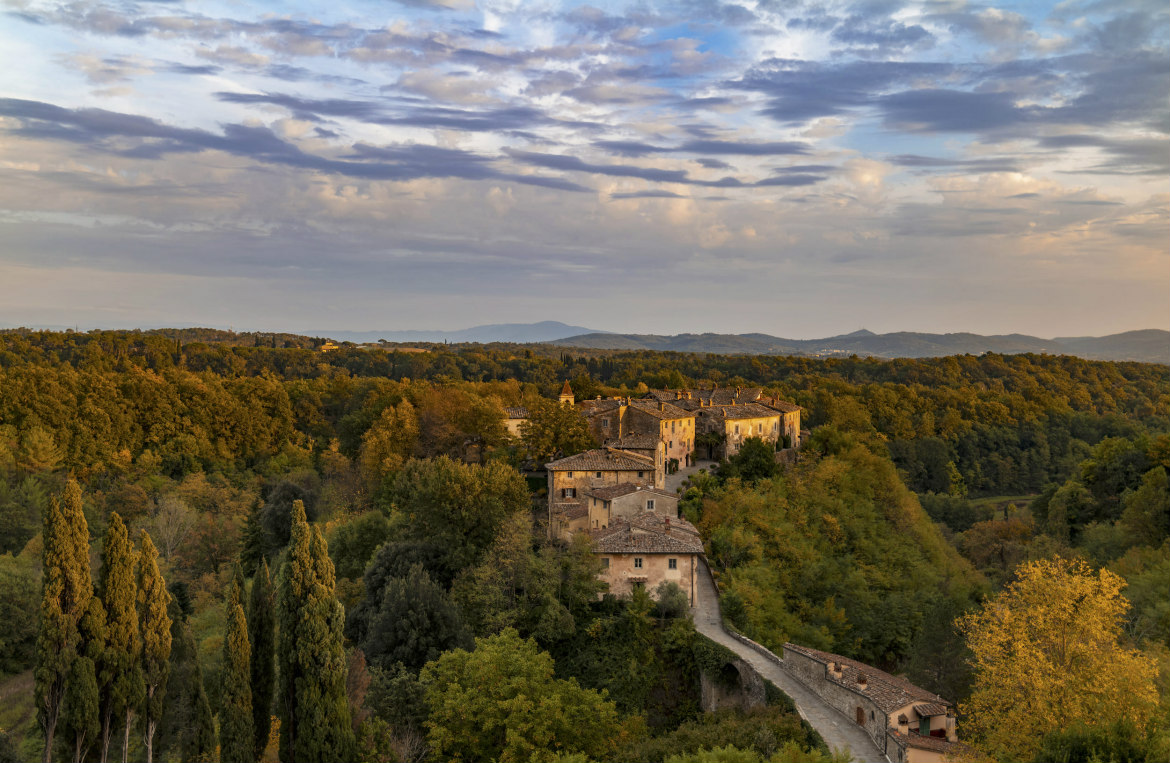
567 395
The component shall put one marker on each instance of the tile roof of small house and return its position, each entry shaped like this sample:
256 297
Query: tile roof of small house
934 744
734 412
633 442
660 410
647 533
610 492
780 405
570 509
887 691
594 407
518 412
927 709
602 460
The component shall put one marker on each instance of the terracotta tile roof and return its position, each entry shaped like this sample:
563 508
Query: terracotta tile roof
928 709
570 509
516 413
889 692
733 412
609 492
566 390
602 460
935 744
781 405
647 533
634 442
660 410
594 407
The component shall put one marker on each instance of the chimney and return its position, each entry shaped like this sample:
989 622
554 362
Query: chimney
903 724
861 680
667 525
661 406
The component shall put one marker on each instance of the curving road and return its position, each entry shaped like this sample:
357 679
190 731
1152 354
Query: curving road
838 732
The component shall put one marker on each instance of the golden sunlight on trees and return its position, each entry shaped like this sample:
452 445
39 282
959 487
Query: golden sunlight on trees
1047 658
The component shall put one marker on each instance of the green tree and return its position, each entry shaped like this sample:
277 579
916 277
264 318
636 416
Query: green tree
66 589
237 741
553 430
79 714
1047 657
502 702
1146 517
414 623
314 714
155 625
456 507
119 669
187 729
262 641
19 591
755 461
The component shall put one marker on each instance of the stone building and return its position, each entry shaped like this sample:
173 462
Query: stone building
909 723
625 501
513 418
570 478
673 426
729 425
647 549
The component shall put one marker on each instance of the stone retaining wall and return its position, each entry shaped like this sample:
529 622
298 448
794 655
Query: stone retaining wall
815 675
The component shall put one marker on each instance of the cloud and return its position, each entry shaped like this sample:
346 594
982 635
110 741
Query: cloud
928 163
647 195
107 130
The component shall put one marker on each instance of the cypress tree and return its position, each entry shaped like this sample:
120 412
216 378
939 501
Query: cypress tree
155 623
187 728
66 589
315 722
261 637
236 740
81 711
118 671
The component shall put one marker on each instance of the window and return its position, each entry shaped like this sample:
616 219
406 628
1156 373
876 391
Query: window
605 562
672 444
737 428
637 562
605 423
570 475
569 492
649 504
672 426
598 475
672 564
641 475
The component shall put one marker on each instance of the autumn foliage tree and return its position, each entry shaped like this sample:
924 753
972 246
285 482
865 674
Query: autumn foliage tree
1047 657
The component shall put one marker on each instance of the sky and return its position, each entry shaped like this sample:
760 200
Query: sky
795 168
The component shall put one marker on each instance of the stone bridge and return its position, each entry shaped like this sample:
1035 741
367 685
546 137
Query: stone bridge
838 731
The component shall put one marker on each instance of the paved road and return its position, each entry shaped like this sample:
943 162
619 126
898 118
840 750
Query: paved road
838 732
674 481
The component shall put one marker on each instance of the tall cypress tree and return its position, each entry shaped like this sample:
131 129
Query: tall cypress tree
261 637
66 589
155 623
236 739
187 728
81 712
315 722
119 672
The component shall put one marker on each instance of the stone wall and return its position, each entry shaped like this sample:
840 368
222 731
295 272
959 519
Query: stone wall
622 575
735 684
815 675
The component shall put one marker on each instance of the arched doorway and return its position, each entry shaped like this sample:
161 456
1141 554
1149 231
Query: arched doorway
860 717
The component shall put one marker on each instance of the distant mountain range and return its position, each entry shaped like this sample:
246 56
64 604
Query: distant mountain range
1149 346
521 333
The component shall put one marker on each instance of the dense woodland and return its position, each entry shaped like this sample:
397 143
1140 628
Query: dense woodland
923 488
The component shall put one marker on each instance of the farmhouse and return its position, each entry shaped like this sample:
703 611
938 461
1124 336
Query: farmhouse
646 550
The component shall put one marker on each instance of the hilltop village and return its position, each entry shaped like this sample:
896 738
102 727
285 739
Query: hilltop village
619 496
